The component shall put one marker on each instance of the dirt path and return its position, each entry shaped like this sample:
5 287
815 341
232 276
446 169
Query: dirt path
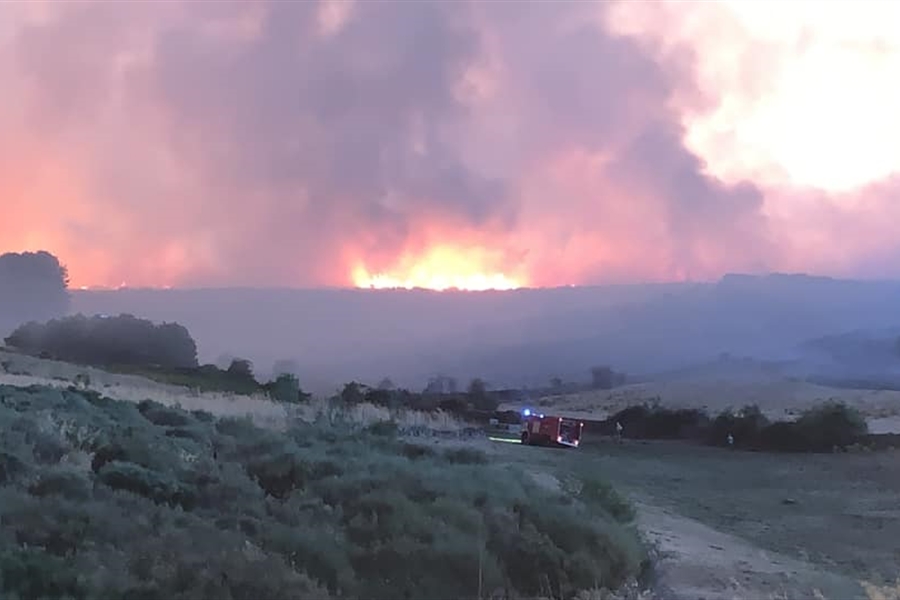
699 562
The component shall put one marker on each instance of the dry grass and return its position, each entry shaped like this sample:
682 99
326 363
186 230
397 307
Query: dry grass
367 414
24 371
877 592
779 399
260 408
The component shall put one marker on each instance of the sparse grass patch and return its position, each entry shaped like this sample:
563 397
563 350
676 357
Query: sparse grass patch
882 592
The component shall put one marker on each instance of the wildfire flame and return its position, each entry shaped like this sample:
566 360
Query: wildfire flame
442 268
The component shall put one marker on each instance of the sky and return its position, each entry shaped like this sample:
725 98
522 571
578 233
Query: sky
481 145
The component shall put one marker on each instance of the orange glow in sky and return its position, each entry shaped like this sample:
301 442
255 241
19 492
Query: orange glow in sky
439 268
577 143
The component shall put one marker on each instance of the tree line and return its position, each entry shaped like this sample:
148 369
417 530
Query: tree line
34 286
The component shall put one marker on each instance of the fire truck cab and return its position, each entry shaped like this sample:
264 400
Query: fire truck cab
545 430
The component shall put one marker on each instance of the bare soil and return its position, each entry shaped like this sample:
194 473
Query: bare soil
731 524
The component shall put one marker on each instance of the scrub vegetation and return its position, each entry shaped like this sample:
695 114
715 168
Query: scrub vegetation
103 498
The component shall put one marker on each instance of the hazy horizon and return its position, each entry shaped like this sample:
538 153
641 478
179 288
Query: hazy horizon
246 168
486 291
518 338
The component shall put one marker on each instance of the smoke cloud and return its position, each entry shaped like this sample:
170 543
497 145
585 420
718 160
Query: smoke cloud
295 143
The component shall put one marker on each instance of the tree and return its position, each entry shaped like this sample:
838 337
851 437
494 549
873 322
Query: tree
286 388
241 367
352 393
108 341
33 287
479 398
379 396
605 378
477 388
441 384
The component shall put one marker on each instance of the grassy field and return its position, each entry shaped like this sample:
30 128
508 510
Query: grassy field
24 371
725 524
751 525
778 398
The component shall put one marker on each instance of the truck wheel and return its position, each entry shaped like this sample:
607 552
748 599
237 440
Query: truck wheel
524 437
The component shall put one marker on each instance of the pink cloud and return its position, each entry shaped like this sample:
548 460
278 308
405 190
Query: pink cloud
286 143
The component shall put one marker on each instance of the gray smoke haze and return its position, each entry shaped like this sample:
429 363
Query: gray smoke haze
525 337
284 143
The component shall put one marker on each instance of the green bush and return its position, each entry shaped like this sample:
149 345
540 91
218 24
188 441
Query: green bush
831 425
654 422
144 482
286 388
108 341
746 427
62 482
31 573
384 428
11 466
179 506
159 414
466 456
820 429
600 494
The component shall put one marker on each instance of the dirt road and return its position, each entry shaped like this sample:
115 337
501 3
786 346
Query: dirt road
739 525
696 561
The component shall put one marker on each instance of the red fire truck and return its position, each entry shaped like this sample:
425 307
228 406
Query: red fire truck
544 430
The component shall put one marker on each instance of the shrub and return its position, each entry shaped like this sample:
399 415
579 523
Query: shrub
207 378
605 378
108 341
31 573
600 494
415 451
654 422
831 425
139 480
286 388
203 509
821 429
279 474
780 437
384 428
62 482
466 456
159 414
746 427
11 466
380 396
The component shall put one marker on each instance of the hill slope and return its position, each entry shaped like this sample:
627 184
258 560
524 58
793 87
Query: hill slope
103 498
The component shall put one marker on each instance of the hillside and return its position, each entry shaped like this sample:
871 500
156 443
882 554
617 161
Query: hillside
118 498
779 397
514 338
338 500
